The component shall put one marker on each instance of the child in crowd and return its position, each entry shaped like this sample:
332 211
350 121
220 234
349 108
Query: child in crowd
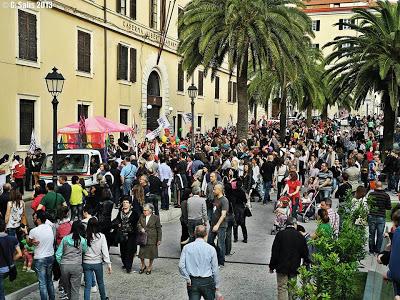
27 252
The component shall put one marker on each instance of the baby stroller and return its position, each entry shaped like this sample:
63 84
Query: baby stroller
308 206
282 212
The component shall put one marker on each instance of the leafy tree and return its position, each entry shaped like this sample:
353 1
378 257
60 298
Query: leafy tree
242 33
370 60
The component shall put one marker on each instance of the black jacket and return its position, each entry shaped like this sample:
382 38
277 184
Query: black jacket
288 249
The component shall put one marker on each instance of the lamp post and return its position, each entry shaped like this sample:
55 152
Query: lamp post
55 84
192 91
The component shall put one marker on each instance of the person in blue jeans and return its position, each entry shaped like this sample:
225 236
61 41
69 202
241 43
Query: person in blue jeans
380 202
219 223
128 174
43 238
96 253
9 252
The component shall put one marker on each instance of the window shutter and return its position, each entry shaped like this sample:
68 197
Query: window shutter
87 52
217 87
81 46
133 65
163 15
201 89
340 24
180 78
32 42
229 91
23 34
318 25
234 92
119 60
118 6
26 121
124 62
133 9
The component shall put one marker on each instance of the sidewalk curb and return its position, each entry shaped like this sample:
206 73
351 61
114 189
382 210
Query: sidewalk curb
23 292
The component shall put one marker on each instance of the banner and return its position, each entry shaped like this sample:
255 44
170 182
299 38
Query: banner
32 145
187 118
163 122
154 134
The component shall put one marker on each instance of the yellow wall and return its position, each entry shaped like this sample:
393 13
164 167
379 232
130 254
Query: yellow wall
57 46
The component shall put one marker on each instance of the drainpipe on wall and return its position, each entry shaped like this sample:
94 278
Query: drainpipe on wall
105 59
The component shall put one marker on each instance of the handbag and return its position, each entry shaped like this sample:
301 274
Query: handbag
12 269
141 238
247 212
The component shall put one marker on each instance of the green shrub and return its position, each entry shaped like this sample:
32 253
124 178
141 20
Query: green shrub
336 261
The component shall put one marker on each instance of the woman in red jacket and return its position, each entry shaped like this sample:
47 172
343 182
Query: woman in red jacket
19 174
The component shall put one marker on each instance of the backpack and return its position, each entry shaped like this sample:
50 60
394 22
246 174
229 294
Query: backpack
63 230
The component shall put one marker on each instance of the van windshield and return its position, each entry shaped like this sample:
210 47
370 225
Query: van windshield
67 163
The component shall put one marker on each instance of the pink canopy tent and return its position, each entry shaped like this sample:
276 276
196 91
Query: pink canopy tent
96 131
96 125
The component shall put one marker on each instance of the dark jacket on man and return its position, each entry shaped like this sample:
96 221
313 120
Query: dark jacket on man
380 202
65 190
288 249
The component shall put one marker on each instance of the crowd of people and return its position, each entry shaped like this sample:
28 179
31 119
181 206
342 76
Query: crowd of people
213 186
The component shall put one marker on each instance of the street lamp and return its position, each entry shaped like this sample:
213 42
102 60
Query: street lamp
55 84
192 91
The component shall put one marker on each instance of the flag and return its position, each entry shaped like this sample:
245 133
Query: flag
32 145
82 132
163 122
187 118
155 133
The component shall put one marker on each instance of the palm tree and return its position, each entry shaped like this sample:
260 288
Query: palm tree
370 61
298 82
242 33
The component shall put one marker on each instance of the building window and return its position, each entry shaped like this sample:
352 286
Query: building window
121 7
163 17
201 88
199 119
234 92
83 110
27 36
153 14
123 115
133 9
229 91
216 122
315 46
180 16
345 45
315 25
122 62
343 22
216 87
84 51
181 78
132 60
26 120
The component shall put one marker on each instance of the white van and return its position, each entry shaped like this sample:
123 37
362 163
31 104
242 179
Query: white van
81 162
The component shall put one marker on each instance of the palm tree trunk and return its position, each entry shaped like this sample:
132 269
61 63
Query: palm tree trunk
324 113
388 122
309 116
243 100
255 112
283 107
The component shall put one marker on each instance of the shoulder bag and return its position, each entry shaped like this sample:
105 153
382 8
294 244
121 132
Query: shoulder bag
12 269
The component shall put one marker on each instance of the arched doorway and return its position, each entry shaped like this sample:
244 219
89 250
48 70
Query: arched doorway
154 99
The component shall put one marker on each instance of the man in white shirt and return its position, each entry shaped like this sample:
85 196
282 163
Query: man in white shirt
166 177
198 265
43 238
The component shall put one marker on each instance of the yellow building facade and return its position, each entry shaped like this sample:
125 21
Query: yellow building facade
325 14
107 51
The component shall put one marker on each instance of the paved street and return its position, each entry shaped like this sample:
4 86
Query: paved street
245 275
